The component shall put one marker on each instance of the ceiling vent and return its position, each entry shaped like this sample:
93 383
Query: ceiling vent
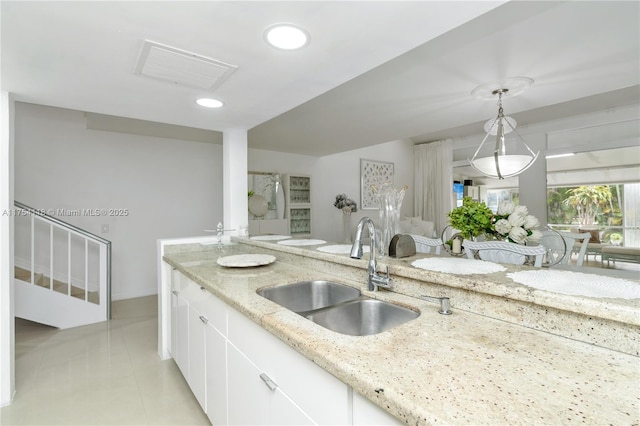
180 67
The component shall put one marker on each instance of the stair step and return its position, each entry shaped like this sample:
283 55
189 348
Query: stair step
42 280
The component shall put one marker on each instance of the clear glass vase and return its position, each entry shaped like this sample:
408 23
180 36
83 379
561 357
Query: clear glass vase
389 204
346 227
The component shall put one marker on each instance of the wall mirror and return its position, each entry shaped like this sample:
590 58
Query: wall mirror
264 194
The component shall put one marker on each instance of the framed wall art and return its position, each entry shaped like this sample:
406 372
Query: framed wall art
376 173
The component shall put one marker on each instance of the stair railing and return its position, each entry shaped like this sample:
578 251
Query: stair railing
104 254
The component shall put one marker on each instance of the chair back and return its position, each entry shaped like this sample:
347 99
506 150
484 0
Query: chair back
580 244
558 249
503 252
424 244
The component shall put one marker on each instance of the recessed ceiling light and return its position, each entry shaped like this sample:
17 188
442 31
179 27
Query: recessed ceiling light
286 36
568 154
209 103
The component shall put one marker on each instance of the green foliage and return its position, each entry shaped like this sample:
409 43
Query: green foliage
250 194
588 200
472 218
566 205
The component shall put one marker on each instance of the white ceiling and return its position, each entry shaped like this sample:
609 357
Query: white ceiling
373 72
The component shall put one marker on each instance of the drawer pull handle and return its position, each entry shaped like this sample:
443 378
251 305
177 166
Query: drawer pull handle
175 292
267 381
204 319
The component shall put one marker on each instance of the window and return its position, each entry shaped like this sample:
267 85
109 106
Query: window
608 211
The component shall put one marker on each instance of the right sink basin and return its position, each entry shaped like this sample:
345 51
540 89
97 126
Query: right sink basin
363 317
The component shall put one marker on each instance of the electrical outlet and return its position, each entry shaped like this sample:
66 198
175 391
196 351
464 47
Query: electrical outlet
105 228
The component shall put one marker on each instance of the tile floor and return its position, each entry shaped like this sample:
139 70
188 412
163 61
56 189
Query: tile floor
101 374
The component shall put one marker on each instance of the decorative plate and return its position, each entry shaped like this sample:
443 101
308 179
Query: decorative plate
258 205
340 249
301 242
457 266
578 283
270 237
246 260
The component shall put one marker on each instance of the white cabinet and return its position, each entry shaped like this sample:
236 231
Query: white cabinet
248 396
472 191
306 385
249 386
196 352
216 376
215 311
242 374
198 344
298 191
366 413
174 314
181 351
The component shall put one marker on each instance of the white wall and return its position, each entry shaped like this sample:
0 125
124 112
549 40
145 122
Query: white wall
339 173
171 188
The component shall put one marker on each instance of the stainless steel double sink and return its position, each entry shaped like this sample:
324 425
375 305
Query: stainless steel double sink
338 307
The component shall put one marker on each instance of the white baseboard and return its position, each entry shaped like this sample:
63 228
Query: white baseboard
140 293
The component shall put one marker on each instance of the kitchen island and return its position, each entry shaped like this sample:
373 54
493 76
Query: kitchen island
508 355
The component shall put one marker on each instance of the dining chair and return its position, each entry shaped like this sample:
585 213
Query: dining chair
580 244
558 248
424 244
504 252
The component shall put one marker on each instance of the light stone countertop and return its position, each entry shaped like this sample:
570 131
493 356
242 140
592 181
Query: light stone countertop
460 369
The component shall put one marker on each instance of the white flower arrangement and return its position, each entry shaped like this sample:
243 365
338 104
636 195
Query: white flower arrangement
515 224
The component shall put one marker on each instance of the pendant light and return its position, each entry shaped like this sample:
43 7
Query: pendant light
502 165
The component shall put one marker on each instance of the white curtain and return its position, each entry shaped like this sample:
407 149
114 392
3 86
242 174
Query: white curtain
433 182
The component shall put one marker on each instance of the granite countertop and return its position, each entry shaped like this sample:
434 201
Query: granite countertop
459 369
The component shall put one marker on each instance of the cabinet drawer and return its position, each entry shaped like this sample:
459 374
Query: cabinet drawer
215 310
203 301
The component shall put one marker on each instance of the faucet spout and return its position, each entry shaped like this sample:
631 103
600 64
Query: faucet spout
374 280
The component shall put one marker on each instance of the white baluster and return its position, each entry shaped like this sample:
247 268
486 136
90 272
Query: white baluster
51 256
86 268
33 254
68 263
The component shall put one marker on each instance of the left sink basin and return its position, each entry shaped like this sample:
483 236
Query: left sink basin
307 296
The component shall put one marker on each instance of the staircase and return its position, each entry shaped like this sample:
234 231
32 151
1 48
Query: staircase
62 273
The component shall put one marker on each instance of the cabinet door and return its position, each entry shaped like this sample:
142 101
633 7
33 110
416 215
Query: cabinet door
283 411
174 323
366 413
306 384
248 395
181 353
176 287
252 401
196 353
216 369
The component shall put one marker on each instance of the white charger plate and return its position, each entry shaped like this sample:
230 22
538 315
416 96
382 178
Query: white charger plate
270 237
246 260
301 242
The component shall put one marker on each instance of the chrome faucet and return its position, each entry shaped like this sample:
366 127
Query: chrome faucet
374 280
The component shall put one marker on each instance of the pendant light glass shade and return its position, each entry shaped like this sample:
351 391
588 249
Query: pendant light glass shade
501 165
